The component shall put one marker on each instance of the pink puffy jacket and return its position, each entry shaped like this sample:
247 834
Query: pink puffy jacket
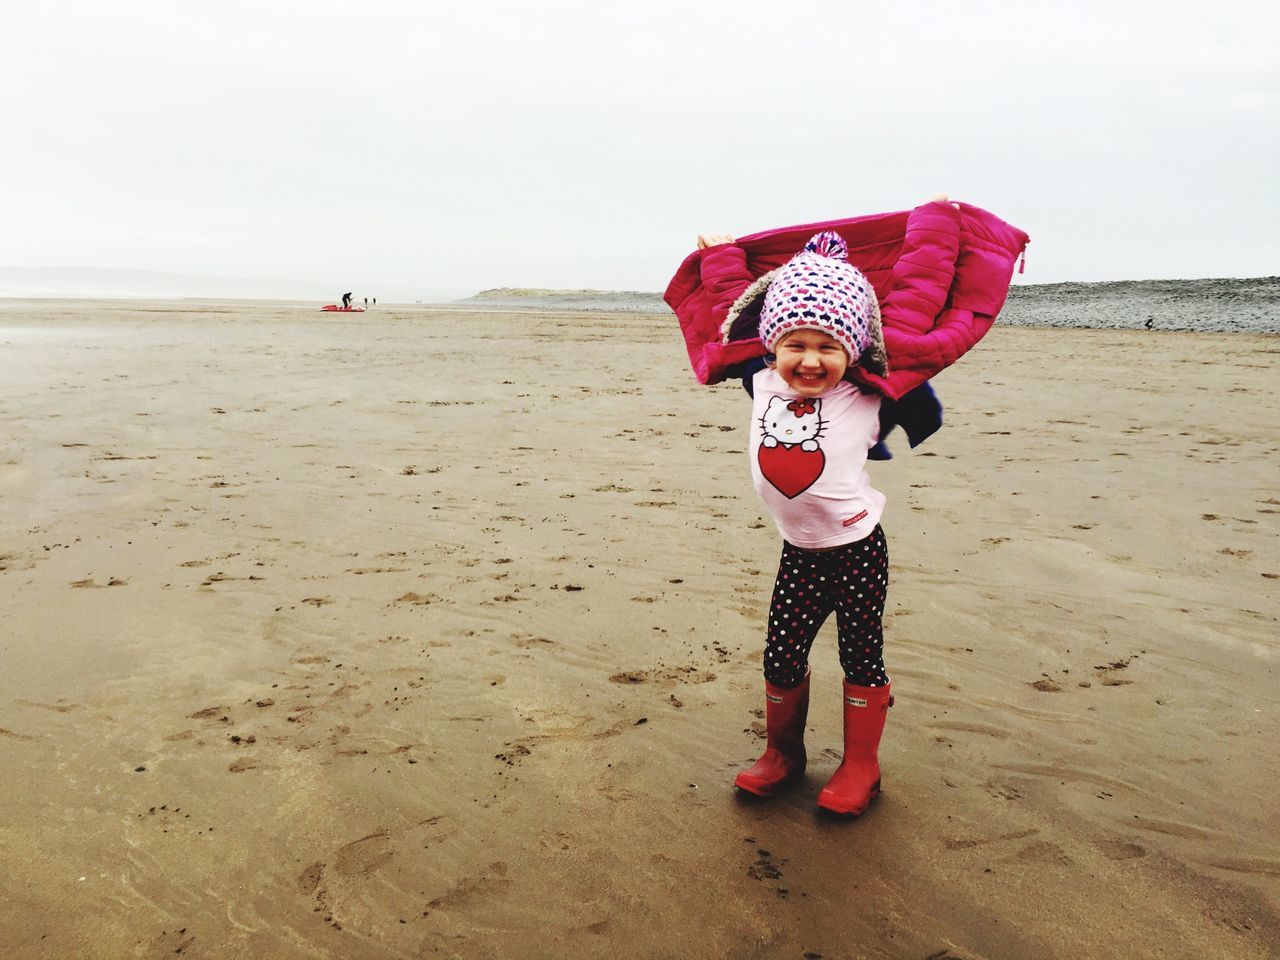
941 273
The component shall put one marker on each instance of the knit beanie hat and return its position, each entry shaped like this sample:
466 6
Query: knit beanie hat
818 289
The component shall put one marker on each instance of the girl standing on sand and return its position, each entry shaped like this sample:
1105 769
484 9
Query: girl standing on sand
810 433
822 402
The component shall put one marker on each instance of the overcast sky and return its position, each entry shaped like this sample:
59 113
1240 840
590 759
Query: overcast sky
459 146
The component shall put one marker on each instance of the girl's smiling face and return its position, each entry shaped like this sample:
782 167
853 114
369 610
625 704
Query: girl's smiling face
810 362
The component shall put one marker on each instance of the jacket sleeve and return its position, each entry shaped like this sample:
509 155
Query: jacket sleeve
911 310
725 276
922 273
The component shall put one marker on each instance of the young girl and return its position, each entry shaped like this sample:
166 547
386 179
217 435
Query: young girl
944 270
810 434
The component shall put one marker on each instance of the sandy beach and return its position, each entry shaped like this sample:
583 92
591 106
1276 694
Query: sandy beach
433 633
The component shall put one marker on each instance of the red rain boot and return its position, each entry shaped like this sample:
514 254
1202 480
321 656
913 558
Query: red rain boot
857 780
784 757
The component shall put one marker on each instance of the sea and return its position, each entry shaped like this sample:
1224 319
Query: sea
1250 305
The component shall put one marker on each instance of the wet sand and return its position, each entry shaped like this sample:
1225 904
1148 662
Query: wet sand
436 634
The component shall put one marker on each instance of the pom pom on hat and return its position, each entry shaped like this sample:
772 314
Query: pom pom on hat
828 244
818 289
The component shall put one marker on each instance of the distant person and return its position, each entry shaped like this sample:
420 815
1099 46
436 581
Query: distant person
375 301
346 300
366 301
1151 322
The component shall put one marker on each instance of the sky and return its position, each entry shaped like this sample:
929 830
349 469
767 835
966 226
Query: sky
456 147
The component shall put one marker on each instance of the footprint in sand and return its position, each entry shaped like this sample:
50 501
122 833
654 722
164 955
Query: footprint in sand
528 642
1120 850
60 707
359 858
1041 851
468 887
676 674
309 879
1046 685
210 713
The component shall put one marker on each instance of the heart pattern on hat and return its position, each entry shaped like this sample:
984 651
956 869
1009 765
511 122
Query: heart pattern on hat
818 289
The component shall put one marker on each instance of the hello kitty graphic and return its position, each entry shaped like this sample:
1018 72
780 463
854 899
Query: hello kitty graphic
790 457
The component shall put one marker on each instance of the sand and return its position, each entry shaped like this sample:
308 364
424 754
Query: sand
436 634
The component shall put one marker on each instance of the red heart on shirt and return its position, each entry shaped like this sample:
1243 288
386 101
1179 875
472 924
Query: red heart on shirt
790 469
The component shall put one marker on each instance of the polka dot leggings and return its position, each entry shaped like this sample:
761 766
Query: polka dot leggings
852 580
